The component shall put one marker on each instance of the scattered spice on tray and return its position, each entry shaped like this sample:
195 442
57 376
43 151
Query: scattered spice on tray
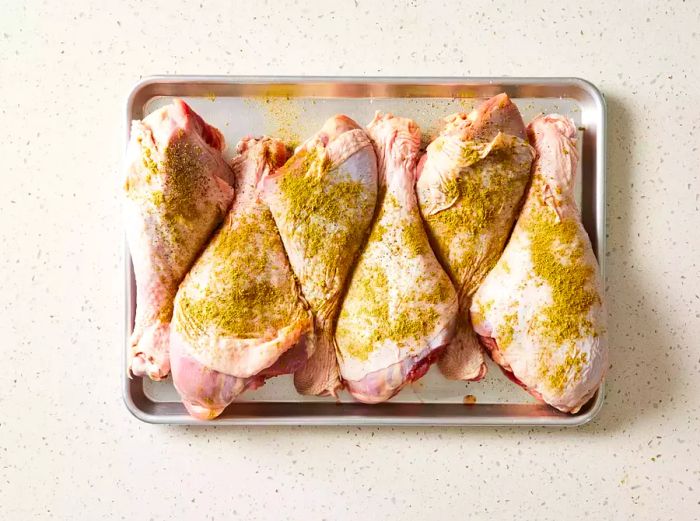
283 116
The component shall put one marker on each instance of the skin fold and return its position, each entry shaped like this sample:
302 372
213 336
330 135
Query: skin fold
322 201
470 187
540 311
177 191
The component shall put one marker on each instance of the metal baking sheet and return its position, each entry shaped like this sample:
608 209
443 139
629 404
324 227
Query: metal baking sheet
293 108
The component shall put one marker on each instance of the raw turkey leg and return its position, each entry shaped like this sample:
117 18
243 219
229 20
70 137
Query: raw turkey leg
470 187
540 311
323 201
400 306
177 191
239 310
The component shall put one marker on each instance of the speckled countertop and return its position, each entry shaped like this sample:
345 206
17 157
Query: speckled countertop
68 447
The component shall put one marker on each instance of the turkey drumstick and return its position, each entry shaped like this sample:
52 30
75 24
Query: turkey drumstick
177 191
540 311
323 201
400 306
470 187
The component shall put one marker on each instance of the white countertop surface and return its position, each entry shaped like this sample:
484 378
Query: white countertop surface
68 447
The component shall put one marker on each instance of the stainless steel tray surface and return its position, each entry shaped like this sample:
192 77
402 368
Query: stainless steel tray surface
294 108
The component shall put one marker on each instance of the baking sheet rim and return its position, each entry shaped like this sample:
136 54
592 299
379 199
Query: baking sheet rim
596 403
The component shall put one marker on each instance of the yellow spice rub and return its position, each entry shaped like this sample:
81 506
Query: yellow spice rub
506 330
172 187
185 181
413 238
412 241
317 206
367 318
374 322
486 194
557 252
241 298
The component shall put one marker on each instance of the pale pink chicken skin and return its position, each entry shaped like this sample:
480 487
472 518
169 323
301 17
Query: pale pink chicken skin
540 311
177 191
470 186
323 200
496 114
400 306
239 316
206 392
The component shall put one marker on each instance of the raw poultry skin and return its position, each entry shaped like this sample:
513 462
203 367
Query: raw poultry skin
470 187
323 200
239 309
540 311
177 191
400 306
